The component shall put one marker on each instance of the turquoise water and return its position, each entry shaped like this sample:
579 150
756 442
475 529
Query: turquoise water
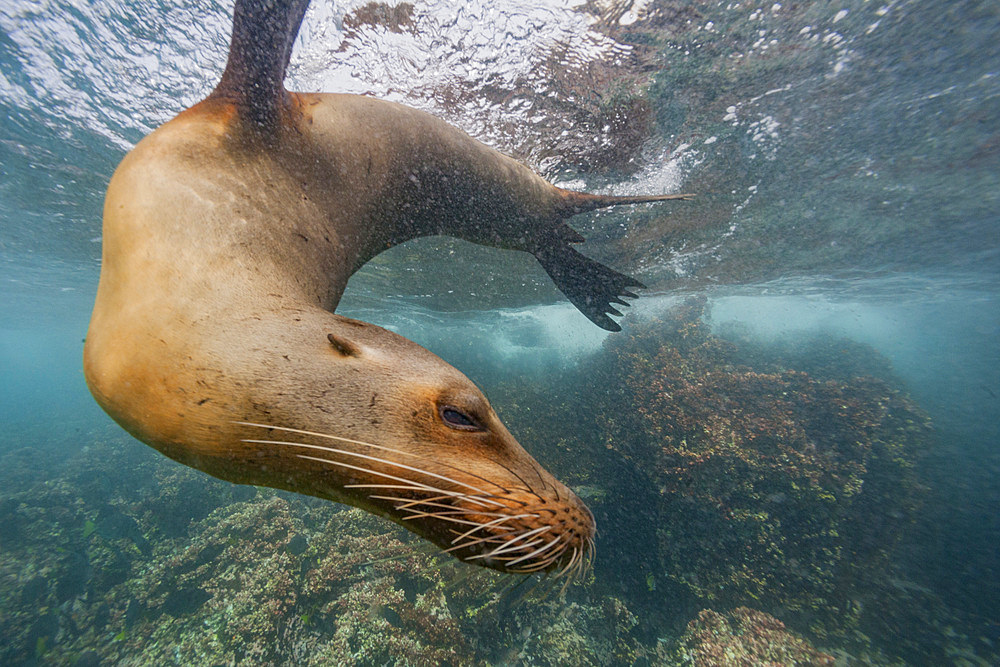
834 286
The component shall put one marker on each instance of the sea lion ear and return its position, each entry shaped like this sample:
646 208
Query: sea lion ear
344 347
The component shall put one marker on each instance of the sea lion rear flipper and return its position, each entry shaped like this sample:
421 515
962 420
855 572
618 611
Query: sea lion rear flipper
588 284
261 46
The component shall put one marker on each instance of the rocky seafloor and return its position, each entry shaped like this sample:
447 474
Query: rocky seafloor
750 499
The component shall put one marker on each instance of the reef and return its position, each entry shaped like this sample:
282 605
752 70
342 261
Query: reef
760 489
156 563
775 486
742 638
730 473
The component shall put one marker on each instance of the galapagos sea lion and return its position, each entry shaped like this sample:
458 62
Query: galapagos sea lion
229 236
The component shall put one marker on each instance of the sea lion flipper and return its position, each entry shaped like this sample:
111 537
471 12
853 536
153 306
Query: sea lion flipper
574 203
588 284
261 46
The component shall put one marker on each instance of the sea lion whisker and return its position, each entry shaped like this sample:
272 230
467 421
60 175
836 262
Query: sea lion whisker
457 496
580 570
447 515
498 539
474 542
403 487
533 568
572 560
538 474
444 494
500 558
494 538
366 470
508 556
526 485
523 536
409 502
368 457
543 564
446 518
575 571
374 446
551 543
432 514
555 556
470 510
494 523
581 563
451 509
418 514
584 567
539 566
555 489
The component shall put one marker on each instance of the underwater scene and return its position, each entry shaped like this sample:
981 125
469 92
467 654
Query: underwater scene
790 450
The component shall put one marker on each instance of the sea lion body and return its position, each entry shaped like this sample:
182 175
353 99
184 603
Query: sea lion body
224 257
229 236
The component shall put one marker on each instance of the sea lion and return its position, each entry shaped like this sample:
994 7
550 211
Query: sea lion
229 236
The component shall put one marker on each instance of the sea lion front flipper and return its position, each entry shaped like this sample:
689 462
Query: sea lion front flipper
588 284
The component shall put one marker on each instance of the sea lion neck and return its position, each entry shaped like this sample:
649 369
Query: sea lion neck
261 46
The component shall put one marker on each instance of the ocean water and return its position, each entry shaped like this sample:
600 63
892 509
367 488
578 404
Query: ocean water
790 449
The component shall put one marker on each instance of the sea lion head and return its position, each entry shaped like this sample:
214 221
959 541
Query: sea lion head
390 427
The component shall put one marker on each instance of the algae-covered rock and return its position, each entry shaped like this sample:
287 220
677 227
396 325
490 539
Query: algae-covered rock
776 487
723 472
730 472
742 638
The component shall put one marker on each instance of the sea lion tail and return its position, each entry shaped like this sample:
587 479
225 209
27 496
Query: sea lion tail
573 203
588 284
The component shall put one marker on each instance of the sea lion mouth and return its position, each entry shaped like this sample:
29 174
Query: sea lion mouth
511 527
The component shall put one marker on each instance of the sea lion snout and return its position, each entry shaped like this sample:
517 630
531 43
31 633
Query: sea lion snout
497 506
525 532
485 500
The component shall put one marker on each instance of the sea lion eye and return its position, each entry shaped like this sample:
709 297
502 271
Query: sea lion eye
455 418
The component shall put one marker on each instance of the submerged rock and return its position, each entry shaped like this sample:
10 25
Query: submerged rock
184 601
112 524
742 638
772 485
34 590
297 545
